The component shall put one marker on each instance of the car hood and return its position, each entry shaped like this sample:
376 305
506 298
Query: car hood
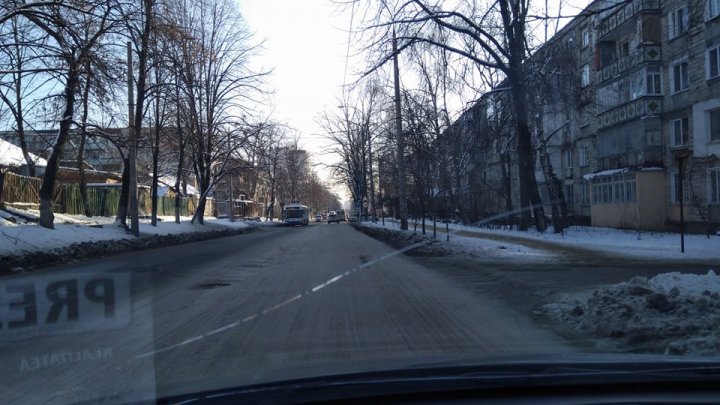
495 371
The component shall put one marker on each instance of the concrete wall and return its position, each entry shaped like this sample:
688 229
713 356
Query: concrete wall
651 199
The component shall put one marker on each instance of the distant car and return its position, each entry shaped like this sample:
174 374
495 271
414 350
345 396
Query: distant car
332 217
318 218
342 216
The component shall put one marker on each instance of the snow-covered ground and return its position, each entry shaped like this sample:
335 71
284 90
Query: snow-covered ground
474 246
19 237
670 313
643 244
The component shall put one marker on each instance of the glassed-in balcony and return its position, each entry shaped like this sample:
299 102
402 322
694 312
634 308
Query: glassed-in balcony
648 53
608 21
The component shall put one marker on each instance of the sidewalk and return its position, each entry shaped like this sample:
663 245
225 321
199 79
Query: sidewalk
588 243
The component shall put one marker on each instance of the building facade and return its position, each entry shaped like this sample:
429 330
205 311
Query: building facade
627 94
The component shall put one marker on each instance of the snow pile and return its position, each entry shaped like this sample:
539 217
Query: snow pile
671 313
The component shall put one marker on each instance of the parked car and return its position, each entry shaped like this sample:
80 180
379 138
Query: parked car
318 218
332 217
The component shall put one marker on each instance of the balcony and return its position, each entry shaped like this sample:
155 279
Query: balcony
609 21
648 53
646 106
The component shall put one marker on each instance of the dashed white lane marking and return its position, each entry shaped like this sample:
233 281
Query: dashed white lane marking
284 303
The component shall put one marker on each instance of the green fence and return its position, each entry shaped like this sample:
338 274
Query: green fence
103 201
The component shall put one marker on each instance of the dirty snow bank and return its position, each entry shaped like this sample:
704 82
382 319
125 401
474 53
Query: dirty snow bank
470 246
671 313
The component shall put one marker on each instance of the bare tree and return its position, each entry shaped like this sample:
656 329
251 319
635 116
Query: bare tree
74 34
218 82
21 73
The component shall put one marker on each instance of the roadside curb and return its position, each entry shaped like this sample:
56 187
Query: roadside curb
399 240
89 250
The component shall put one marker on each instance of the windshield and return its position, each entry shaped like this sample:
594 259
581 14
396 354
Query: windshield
486 192
293 213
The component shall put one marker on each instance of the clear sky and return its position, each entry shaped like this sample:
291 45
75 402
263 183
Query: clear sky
306 46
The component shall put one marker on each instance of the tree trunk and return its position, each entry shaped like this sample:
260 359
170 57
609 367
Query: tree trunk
554 185
47 190
507 184
181 163
81 150
122 211
514 26
400 139
154 203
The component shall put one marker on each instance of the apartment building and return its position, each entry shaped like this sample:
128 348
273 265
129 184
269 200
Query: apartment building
634 95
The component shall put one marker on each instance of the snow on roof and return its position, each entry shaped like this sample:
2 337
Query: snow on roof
610 172
11 155
170 182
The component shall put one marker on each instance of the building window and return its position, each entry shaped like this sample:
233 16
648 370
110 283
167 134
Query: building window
712 9
585 195
629 189
585 75
680 77
617 189
569 196
675 188
583 153
568 163
713 62
636 85
625 49
585 38
653 75
680 132
714 176
714 125
677 22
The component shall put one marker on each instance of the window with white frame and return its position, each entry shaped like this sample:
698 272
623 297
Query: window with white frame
712 9
713 62
585 75
680 78
653 82
568 153
586 38
637 84
675 188
616 189
714 186
583 153
714 124
569 196
680 131
585 195
677 22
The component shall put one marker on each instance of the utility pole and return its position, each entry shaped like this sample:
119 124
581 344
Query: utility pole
132 153
402 197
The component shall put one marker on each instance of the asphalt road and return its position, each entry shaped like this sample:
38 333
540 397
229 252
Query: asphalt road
275 303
